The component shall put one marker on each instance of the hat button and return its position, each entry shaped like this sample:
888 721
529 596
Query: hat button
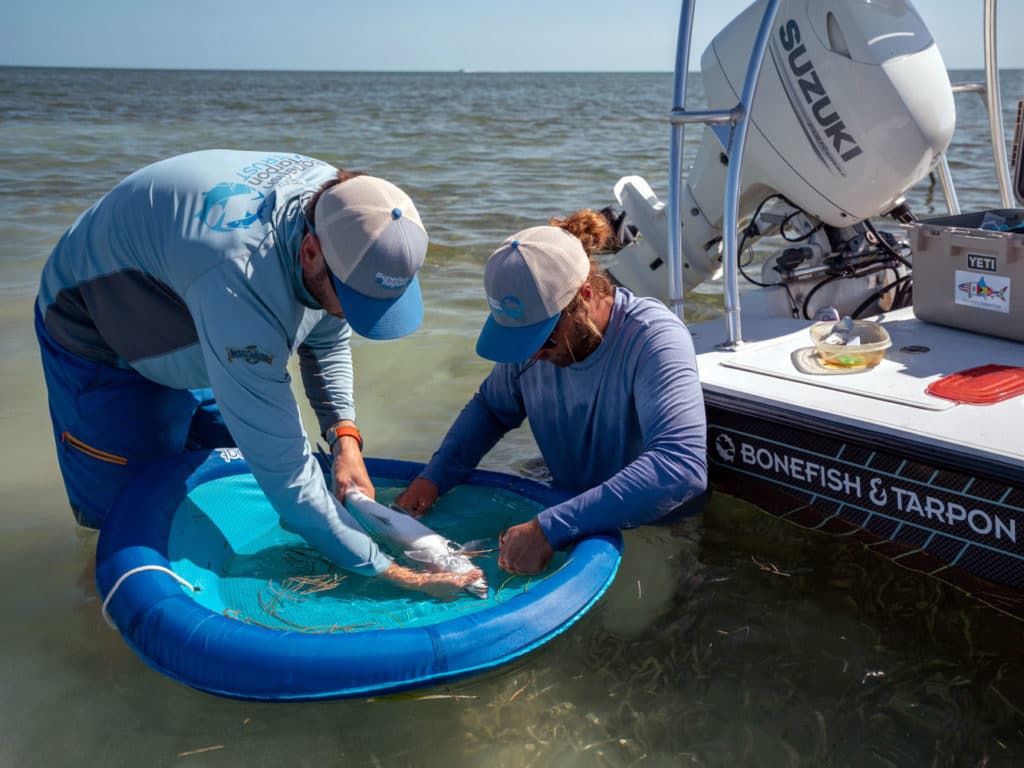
396 213
515 243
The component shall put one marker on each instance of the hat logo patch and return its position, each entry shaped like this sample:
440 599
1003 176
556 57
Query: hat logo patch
510 305
391 281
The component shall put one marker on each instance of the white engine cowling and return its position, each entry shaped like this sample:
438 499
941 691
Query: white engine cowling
853 107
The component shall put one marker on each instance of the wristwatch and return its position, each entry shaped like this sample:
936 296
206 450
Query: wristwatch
333 434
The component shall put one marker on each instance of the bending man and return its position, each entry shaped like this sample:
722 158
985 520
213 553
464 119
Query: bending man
167 313
614 403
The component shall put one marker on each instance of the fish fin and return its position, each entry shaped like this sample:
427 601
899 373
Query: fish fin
421 556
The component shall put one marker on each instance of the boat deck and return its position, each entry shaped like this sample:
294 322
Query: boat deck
775 374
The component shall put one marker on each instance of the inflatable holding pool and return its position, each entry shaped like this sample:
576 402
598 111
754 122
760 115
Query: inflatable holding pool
196 572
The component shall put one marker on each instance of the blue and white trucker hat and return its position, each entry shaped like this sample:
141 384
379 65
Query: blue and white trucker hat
374 244
529 280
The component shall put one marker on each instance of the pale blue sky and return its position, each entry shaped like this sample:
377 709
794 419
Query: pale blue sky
513 35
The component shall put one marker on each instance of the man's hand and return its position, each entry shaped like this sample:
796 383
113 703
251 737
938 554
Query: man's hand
524 549
418 498
349 467
440 585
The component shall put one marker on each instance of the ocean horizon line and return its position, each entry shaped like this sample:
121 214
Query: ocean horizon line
462 70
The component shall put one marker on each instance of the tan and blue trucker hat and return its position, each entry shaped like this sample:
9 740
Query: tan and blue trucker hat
529 280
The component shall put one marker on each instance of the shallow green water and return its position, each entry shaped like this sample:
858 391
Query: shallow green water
739 640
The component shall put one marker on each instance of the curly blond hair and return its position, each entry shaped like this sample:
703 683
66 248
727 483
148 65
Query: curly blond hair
595 233
590 228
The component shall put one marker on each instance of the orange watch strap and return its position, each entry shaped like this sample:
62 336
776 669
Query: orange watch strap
346 430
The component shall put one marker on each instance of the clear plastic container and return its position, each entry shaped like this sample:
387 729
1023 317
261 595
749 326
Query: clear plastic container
869 350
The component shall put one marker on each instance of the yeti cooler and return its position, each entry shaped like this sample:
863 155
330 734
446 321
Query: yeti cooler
969 271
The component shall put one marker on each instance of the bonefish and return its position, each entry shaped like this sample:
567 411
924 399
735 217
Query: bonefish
417 541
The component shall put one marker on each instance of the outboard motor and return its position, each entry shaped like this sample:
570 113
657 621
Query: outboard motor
853 107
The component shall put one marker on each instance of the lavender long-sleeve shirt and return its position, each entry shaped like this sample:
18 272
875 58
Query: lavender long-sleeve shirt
624 429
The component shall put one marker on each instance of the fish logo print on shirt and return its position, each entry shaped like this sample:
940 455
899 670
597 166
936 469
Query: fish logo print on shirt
230 206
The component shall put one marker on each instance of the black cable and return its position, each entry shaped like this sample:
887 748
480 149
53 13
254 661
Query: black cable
793 306
864 271
805 236
904 295
747 231
884 244
878 294
814 290
749 279
752 226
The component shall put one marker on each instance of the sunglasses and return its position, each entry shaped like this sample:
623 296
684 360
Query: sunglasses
550 343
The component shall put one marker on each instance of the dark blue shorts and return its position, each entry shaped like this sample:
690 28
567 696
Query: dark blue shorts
108 423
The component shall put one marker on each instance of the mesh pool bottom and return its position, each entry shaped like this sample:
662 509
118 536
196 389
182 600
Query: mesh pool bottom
226 539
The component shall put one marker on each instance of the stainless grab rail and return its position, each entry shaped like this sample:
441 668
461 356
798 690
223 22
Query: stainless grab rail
993 103
989 92
675 159
738 118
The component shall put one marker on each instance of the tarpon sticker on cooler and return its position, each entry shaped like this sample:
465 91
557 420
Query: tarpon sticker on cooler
992 292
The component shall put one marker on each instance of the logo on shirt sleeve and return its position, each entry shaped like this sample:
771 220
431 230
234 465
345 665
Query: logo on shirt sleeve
249 354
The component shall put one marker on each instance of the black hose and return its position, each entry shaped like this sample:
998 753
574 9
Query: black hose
879 294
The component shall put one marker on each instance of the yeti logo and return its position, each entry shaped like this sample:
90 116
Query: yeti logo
983 263
229 206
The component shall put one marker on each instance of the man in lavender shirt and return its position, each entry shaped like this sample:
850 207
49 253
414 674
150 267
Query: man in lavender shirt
615 405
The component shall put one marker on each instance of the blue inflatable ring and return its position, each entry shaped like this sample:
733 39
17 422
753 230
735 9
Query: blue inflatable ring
214 652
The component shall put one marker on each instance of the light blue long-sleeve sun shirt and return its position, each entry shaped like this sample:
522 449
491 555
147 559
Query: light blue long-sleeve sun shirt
188 272
624 429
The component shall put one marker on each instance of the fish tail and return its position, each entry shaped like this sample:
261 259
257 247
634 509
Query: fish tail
478 588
